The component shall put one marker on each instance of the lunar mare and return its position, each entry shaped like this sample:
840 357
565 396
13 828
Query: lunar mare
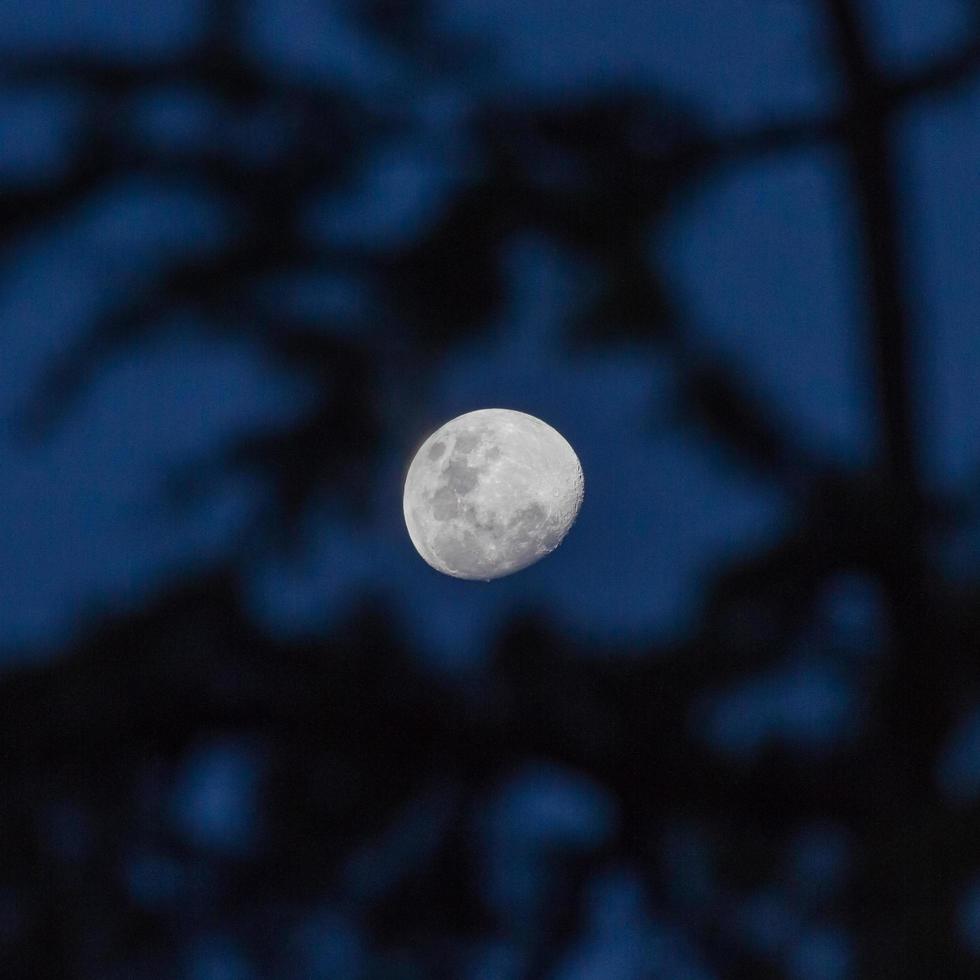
491 492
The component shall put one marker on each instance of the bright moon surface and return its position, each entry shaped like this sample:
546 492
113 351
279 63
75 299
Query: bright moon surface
490 493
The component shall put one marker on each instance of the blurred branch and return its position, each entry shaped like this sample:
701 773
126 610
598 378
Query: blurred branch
353 724
914 698
869 144
940 74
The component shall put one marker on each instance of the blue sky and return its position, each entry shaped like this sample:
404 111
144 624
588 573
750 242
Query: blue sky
761 261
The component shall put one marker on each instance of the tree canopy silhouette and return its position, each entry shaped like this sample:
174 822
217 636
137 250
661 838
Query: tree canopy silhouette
376 788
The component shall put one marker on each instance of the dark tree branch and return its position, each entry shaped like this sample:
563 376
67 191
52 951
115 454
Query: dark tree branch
869 143
354 728
913 697
942 74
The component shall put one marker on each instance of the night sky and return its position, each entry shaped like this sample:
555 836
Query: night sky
765 271
761 260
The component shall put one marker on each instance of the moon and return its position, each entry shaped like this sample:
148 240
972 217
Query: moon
491 492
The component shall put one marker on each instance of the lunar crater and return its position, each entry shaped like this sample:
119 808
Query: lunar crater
461 477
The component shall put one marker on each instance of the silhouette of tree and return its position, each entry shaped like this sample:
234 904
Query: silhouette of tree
374 782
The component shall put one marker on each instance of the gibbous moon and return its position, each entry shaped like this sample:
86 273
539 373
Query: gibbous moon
490 493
